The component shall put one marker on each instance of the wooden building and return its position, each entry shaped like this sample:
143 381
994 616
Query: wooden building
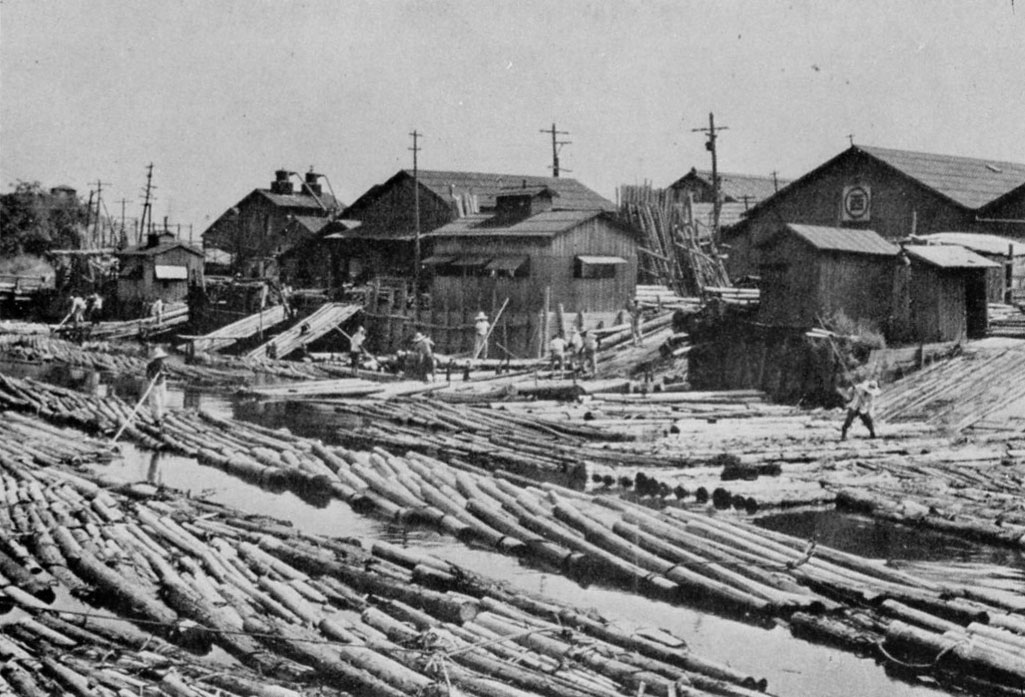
540 259
1006 280
810 272
269 222
893 192
947 293
378 234
161 268
745 189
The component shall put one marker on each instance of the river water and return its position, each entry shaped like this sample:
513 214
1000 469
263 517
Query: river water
792 666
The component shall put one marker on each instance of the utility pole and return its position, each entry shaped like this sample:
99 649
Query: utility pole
98 229
556 146
147 205
712 132
123 203
416 217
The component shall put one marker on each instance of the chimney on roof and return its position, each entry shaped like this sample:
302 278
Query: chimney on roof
313 183
281 184
519 203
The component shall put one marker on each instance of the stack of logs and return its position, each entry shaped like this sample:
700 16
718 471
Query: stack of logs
157 582
675 554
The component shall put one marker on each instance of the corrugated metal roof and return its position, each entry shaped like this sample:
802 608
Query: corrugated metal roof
572 195
977 242
949 256
971 182
753 187
546 224
848 240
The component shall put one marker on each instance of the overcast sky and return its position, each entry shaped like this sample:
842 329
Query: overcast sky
218 94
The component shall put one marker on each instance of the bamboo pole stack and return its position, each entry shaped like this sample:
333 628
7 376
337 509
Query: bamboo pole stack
673 252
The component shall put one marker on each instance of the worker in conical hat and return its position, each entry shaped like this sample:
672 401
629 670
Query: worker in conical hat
156 375
481 328
861 405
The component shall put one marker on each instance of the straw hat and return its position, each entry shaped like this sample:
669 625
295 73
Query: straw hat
873 387
418 337
156 353
481 315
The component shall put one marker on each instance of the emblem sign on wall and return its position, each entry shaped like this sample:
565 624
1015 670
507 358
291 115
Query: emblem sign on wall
857 204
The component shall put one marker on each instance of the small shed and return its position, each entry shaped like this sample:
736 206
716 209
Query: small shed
538 258
162 268
809 272
1008 277
947 293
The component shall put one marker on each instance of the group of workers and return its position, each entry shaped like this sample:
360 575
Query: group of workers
91 307
578 352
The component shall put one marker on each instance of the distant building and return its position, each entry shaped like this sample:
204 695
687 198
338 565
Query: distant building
535 255
745 189
378 234
161 268
893 192
809 272
260 227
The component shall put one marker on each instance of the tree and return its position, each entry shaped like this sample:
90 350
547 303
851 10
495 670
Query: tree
34 221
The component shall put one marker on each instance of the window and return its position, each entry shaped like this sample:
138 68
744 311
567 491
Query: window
509 267
596 267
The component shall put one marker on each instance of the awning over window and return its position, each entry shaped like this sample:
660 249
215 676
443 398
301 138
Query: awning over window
601 261
438 260
511 264
164 272
470 260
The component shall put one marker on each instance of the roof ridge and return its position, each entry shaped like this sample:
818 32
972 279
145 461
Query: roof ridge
963 158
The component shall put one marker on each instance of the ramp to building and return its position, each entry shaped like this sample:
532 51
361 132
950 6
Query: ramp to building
326 318
242 329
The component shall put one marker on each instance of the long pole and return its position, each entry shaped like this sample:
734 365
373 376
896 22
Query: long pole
556 145
135 410
490 329
710 145
416 216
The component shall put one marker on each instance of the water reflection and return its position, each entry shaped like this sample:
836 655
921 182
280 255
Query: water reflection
153 475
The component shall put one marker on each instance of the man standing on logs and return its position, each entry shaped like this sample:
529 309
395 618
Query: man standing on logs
633 310
590 353
557 347
861 404
424 348
576 347
95 307
356 347
158 390
480 336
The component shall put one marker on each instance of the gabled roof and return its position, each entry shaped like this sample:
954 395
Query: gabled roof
299 200
729 213
313 224
948 256
977 242
967 182
570 194
158 249
846 240
970 182
546 224
753 187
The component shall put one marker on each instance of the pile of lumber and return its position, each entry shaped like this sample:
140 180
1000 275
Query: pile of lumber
664 297
12 326
325 319
672 251
244 328
159 580
974 389
733 296
174 315
1006 320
